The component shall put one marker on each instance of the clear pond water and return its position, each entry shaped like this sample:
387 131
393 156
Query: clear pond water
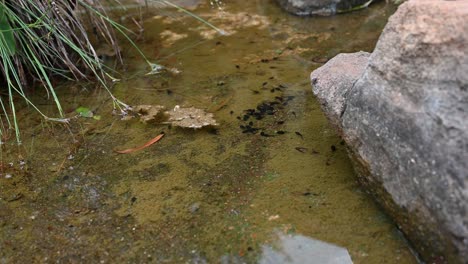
272 168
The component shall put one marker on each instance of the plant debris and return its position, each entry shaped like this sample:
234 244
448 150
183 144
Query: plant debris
190 117
149 113
147 144
86 112
182 117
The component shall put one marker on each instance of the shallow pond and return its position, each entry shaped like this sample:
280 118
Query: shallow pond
273 167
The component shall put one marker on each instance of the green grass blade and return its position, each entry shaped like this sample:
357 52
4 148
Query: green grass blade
7 40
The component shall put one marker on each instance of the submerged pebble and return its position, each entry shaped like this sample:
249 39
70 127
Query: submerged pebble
194 207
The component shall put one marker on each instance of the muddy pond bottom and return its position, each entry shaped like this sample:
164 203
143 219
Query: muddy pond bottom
270 183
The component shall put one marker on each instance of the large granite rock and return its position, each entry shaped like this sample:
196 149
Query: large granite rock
346 69
404 116
320 7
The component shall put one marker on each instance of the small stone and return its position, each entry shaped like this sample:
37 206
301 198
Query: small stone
194 207
273 217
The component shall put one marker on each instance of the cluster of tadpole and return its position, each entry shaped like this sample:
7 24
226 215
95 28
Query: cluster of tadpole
249 120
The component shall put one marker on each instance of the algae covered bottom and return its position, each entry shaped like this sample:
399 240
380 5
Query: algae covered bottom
272 167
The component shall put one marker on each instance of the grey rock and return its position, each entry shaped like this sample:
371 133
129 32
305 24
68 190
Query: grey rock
182 3
405 121
346 69
319 7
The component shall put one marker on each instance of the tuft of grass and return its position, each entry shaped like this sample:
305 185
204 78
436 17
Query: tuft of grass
43 39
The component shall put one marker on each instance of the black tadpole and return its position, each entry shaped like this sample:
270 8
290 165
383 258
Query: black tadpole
263 134
299 134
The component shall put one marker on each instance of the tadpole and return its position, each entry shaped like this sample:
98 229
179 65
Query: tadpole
301 149
263 134
299 134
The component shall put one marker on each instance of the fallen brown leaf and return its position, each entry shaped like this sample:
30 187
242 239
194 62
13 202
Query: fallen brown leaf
147 144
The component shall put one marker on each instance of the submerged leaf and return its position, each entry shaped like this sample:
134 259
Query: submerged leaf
84 111
147 144
149 112
190 117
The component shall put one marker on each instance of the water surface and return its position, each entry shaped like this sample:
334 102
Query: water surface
212 195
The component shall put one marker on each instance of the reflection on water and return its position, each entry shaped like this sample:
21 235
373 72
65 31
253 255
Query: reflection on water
208 195
297 249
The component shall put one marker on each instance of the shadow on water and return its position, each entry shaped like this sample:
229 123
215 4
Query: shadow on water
223 194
